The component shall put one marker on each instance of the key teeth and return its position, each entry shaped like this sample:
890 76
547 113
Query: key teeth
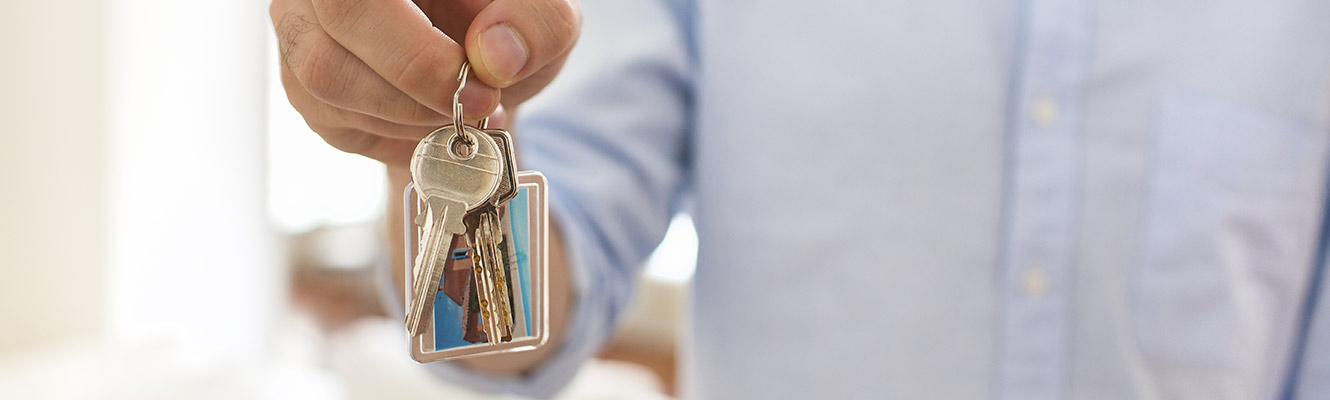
498 325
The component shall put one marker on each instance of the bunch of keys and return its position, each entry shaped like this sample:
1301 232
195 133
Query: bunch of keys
463 175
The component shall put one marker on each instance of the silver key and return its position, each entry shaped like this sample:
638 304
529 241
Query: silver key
507 189
454 174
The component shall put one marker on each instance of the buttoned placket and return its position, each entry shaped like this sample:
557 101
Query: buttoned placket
1043 185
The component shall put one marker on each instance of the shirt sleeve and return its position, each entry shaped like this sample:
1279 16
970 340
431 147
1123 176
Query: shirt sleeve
610 135
1310 376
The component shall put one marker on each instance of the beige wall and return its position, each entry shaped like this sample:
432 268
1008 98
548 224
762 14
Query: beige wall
51 180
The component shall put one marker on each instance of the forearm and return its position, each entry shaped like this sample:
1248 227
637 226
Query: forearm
560 287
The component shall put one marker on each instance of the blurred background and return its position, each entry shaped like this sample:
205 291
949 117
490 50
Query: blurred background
170 228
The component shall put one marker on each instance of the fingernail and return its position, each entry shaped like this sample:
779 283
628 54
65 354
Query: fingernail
502 51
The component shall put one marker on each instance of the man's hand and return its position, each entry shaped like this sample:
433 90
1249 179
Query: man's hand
375 76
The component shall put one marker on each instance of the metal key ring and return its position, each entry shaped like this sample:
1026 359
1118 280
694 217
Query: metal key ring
457 104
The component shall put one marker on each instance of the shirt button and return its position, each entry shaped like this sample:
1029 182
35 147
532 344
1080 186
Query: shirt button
1034 282
1044 111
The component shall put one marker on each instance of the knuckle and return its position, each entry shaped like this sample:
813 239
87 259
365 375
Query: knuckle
290 83
296 95
422 69
321 75
338 16
289 28
567 25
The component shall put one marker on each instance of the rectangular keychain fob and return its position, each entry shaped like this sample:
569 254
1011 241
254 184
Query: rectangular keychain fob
453 329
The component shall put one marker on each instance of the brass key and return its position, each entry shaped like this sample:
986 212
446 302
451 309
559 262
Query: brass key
491 281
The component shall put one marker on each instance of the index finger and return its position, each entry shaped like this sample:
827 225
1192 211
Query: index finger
399 43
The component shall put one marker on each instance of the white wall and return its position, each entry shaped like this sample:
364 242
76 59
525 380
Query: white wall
52 136
191 256
131 173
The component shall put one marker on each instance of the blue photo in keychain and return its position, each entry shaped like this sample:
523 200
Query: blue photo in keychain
454 306
456 327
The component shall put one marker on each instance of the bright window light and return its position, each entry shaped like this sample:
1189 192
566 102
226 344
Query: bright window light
676 257
311 184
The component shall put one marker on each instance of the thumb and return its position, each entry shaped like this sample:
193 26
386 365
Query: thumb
510 40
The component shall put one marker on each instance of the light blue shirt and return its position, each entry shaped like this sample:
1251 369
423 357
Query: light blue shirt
953 200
